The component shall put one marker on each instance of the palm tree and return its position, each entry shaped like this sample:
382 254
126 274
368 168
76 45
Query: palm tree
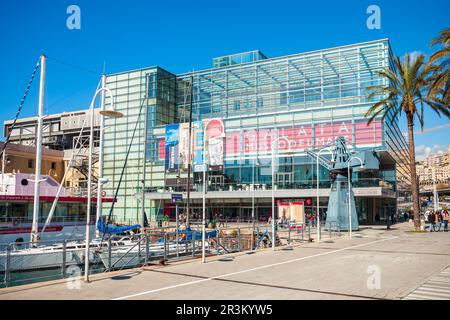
440 87
405 92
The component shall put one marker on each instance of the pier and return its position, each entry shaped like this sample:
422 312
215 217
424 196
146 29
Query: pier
374 264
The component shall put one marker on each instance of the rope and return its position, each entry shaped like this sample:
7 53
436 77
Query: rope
74 66
20 107
75 153
123 168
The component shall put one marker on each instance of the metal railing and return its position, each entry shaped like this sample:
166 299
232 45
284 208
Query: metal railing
155 246
267 185
47 260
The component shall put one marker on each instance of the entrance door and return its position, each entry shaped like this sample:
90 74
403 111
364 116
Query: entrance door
246 214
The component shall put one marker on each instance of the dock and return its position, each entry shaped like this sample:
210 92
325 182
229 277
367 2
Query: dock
373 264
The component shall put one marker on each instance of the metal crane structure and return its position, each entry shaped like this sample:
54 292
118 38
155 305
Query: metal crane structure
341 204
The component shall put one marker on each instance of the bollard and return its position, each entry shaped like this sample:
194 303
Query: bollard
147 249
109 253
217 240
303 232
63 265
193 243
177 222
7 265
239 238
289 233
165 246
139 248
309 231
257 238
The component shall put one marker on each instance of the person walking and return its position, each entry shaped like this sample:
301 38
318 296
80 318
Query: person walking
311 220
432 220
220 218
388 221
439 219
445 217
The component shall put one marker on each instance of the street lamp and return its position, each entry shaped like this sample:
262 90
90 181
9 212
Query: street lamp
253 200
318 198
111 114
273 186
350 192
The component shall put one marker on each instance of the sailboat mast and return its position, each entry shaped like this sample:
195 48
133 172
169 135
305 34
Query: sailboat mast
34 227
188 187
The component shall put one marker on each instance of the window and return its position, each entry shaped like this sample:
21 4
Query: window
53 165
30 164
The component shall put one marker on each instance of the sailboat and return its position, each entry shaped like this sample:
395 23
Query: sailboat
38 254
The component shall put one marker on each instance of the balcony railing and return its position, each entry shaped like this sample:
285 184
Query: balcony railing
305 184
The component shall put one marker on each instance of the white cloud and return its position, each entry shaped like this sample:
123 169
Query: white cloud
423 151
415 54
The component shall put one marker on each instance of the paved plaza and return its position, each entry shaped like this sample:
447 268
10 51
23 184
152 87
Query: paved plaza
374 264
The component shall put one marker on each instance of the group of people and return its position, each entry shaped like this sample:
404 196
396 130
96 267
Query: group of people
437 218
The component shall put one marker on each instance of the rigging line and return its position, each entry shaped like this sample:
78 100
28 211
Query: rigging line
74 66
63 99
75 153
20 107
124 166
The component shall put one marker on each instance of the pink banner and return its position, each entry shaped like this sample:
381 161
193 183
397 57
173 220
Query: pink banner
300 137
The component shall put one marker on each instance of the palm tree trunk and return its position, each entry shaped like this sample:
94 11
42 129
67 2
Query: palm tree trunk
412 165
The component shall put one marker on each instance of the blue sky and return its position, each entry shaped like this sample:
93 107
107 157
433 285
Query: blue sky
182 35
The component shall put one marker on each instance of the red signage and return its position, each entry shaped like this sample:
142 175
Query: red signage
13 198
303 137
28 230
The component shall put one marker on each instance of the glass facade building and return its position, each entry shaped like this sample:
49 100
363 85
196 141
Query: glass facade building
254 114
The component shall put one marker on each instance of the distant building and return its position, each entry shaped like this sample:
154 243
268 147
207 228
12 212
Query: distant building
22 159
240 107
60 132
435 167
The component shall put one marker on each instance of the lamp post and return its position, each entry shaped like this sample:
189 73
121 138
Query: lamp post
253 202
100 158
273 185
108 113
317 188
350 192
204 197
435 192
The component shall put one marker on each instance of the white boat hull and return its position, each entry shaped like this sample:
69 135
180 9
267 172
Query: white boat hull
27 260
54 233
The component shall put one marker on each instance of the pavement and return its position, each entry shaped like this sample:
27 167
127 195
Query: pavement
374 264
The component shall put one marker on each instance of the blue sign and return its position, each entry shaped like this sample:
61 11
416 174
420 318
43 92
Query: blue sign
172 147
177 197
